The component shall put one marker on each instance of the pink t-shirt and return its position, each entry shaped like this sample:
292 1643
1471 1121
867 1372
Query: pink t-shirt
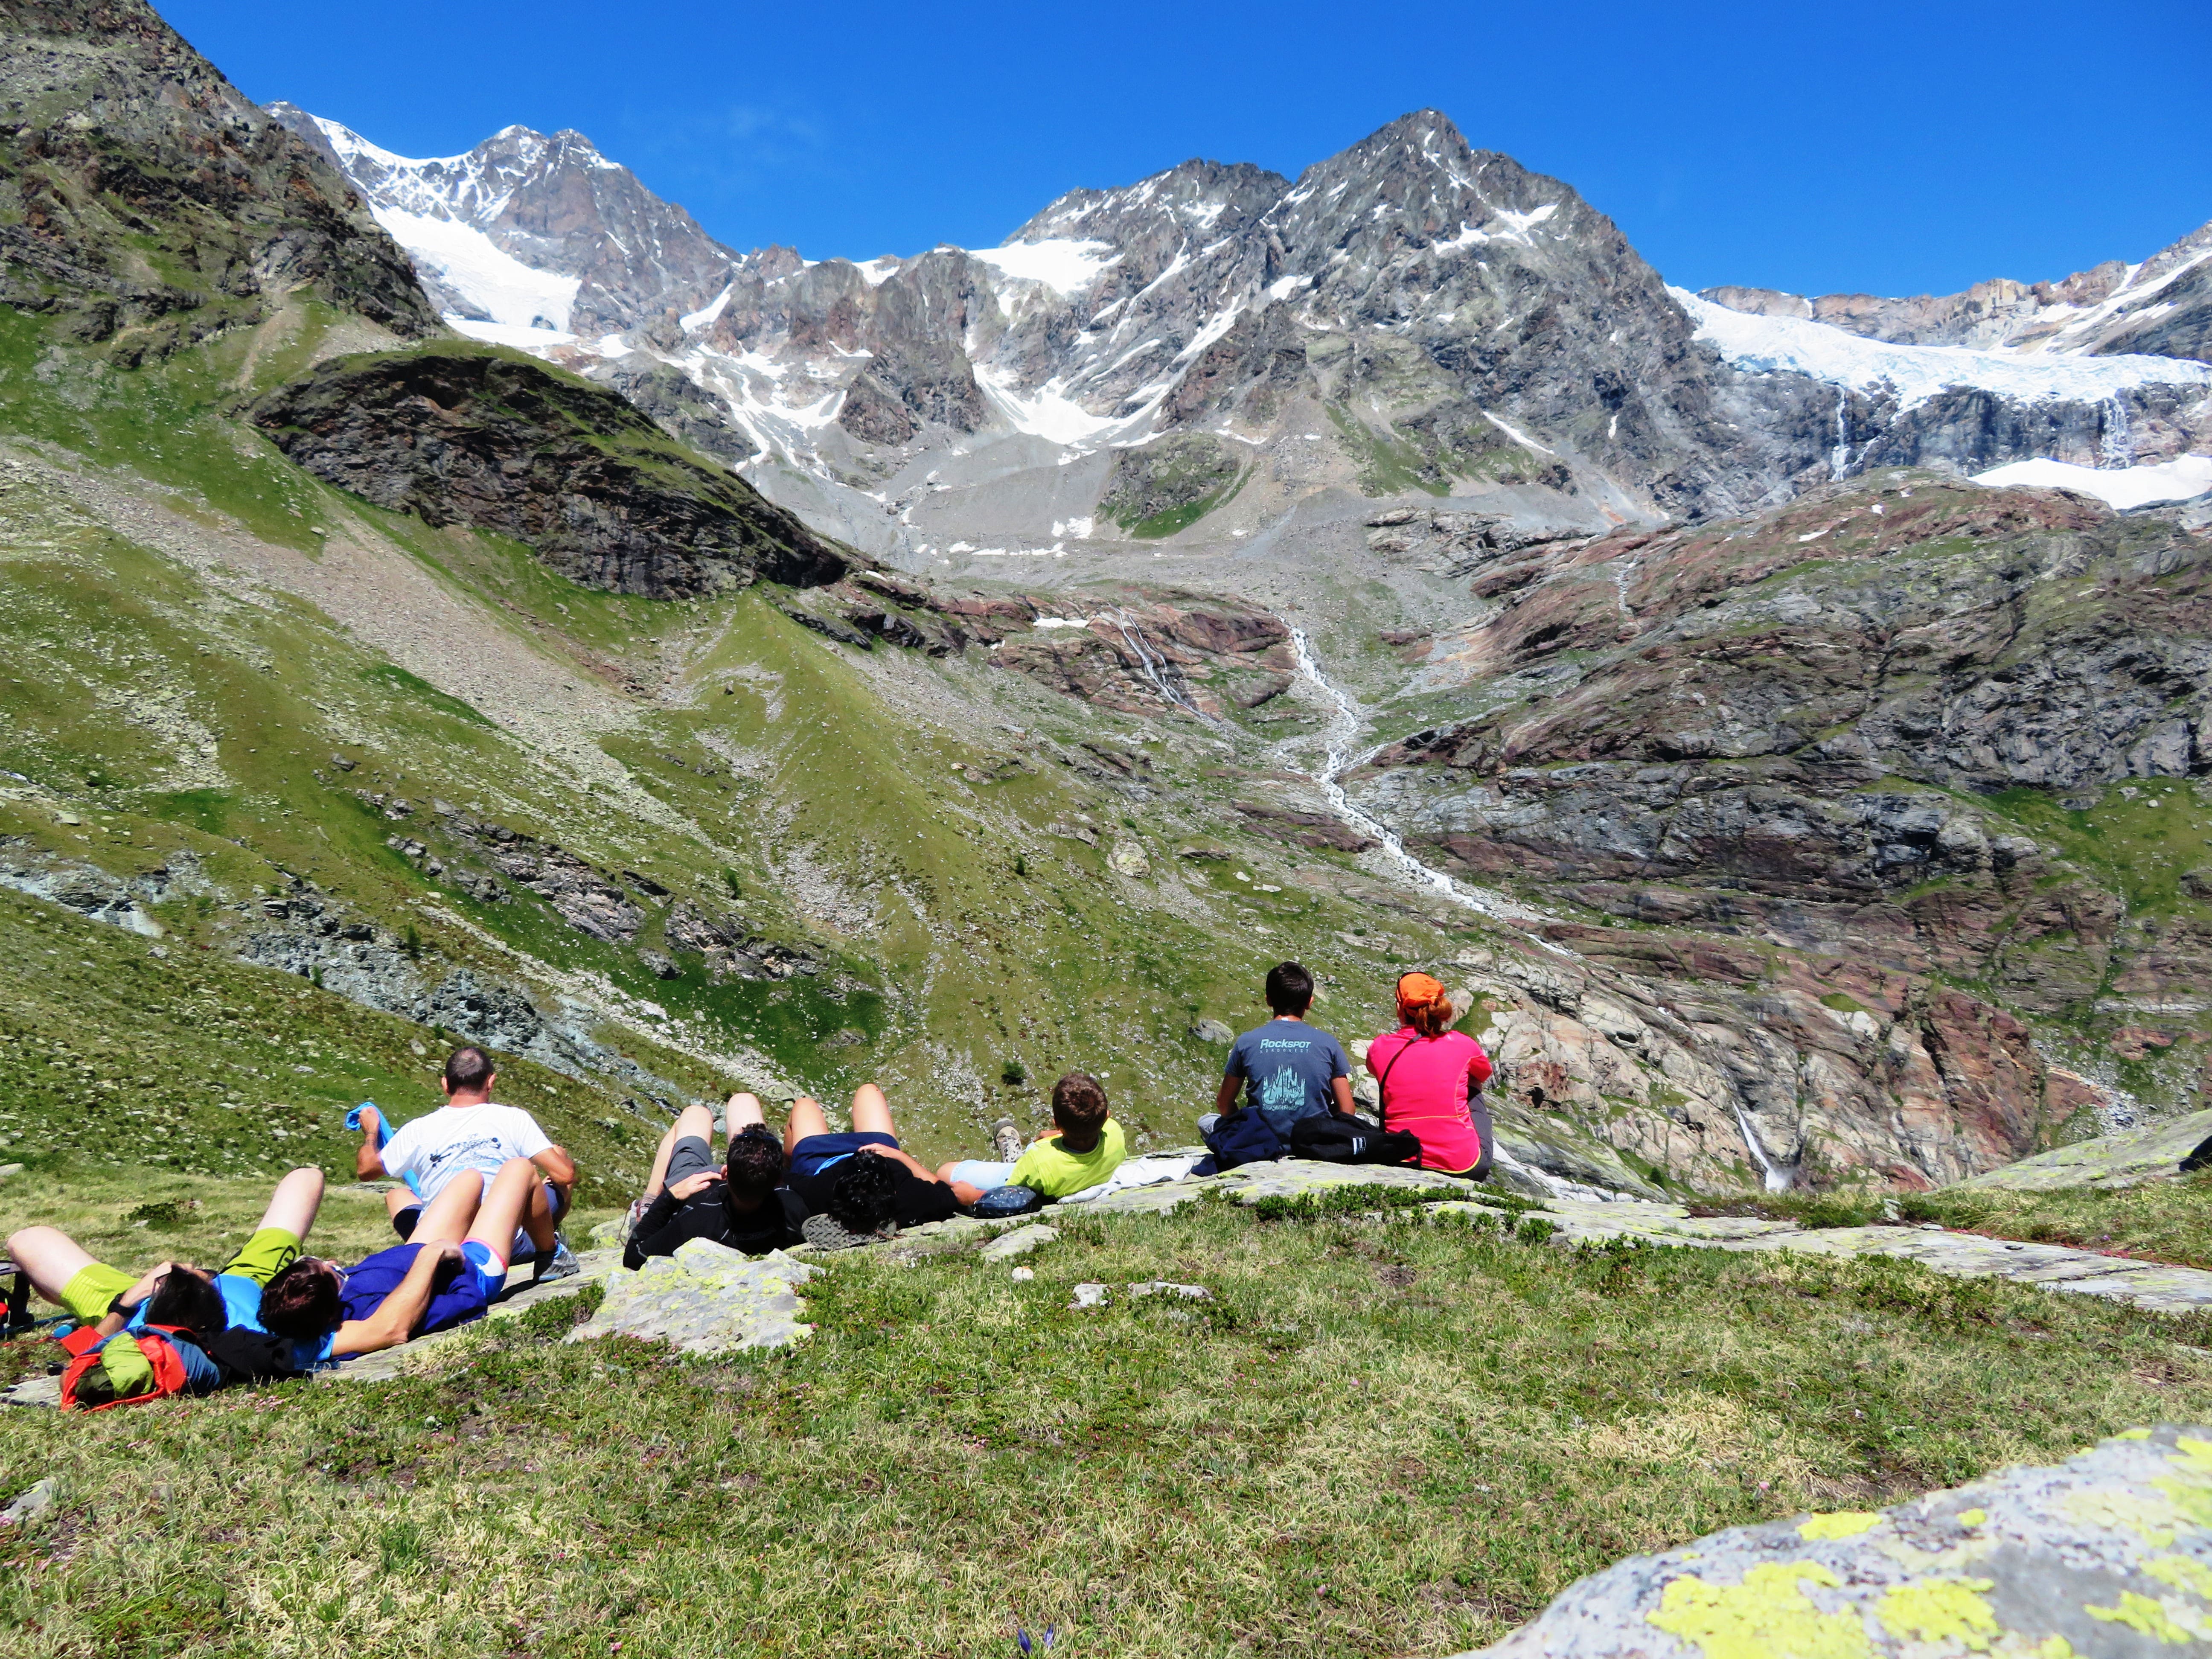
1425 1093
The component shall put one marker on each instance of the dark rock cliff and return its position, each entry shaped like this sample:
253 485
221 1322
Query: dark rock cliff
473 436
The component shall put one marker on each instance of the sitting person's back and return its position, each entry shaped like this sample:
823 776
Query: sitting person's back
1431 1079
1287 1068
744 1206
1083 1148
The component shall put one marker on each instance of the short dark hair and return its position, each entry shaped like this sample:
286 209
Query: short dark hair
1290 988
1079 1107
302 1302
186 1297
865 1198
756 1164
469 1070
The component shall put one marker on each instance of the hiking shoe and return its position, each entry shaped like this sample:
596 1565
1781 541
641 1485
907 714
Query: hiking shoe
1008 1139
559 1262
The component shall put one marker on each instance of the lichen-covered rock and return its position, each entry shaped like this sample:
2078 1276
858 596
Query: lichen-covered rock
2123 1159
2109 1554
705 1298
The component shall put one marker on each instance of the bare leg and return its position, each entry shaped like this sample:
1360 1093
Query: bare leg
743 1111
293 1205
691 1121
538 1219
806 1119
871 1112
446 1218
400 1199
51 1258
517 1185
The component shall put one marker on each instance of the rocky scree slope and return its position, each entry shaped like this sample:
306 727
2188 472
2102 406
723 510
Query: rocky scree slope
153 204
1133 362
502 443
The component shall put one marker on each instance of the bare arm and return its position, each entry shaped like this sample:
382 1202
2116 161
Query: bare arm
897 1156
1342 1086
1225 1098
402 1311
368 1161
557 1166
112 1322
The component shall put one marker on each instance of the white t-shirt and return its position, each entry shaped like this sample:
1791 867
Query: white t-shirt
438 1146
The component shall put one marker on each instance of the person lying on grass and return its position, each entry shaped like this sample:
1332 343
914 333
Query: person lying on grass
743 1204
471 1133
1083 1148
858 1185
115 1307
447 1275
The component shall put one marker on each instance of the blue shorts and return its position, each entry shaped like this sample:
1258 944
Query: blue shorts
480 1278
812 1155
986 1173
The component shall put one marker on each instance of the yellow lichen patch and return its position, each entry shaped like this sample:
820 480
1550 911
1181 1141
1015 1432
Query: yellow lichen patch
2132 1434
1936 1609
2192 1499
2141 1613
1972 1518
2053 1647
1768 1614
2149 1519
2193 1455
1844 1523
2181 1572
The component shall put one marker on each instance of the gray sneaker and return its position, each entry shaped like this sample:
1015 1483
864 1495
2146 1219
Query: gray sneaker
559 1262
1008 1139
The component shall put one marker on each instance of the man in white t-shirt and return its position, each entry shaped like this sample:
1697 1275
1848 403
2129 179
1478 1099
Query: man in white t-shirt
470 1133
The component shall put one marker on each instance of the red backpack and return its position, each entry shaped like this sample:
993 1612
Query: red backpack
154 1342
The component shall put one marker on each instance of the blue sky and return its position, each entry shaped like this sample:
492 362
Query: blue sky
1886 148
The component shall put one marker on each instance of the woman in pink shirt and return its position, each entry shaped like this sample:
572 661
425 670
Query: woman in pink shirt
1431 1079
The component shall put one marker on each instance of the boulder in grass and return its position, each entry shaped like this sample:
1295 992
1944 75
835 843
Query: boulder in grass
705 1298
2109 1554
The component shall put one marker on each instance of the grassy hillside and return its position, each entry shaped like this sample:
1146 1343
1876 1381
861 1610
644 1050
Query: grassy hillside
224 685
1373 1439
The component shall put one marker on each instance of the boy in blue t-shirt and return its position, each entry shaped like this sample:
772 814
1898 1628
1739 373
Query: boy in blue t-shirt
1286 1069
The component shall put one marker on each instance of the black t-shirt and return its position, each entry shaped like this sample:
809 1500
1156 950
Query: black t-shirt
668 1223
916 1201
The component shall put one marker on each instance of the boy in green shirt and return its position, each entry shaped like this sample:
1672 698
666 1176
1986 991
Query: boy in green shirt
1083 1147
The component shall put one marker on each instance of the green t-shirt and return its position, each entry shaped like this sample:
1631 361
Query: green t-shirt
1047 1169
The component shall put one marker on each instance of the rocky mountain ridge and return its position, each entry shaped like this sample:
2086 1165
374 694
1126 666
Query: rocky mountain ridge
2161 306
1432 317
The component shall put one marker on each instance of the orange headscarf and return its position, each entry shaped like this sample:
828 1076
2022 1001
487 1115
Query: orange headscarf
1423 1004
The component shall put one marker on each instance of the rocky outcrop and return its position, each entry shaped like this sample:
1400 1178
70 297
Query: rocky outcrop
153 204
2103 1554
706 1299
472 436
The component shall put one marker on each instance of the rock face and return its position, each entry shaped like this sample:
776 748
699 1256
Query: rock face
2108 1553
1798 770
471 436
2161 307
705 1298
153 203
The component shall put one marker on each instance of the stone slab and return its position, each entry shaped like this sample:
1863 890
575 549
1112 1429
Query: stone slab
2123 1159
2105 1555
705 1298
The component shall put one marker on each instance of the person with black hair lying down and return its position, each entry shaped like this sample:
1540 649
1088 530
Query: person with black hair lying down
447 1275
860 1184
743 1204
189 1306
